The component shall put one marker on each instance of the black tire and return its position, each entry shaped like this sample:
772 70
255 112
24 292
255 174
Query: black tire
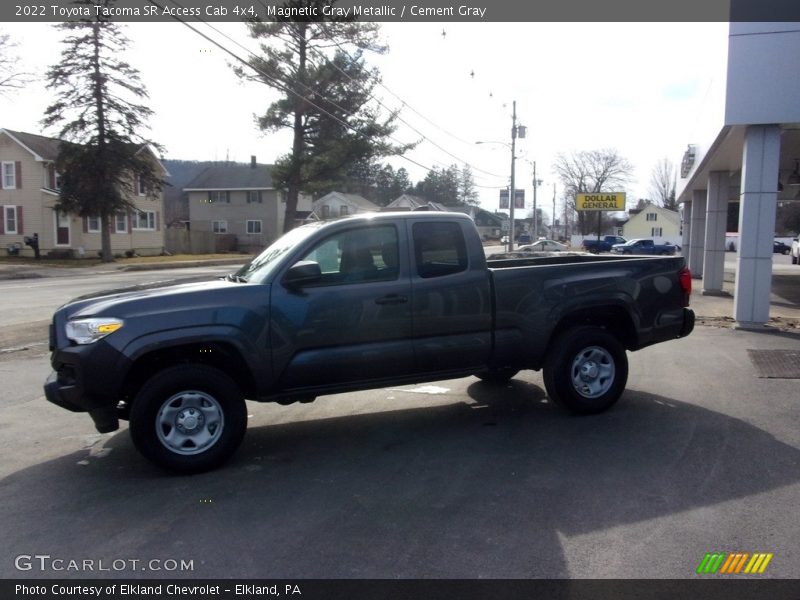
497 376
188 418
585 370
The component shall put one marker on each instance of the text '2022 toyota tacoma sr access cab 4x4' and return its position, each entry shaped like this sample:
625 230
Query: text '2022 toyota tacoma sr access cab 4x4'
361 302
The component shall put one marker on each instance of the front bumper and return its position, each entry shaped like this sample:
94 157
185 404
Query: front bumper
86 379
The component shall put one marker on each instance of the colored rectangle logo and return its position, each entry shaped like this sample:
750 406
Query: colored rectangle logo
734 563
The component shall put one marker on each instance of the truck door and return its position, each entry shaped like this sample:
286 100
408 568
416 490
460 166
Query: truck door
354 323
452 311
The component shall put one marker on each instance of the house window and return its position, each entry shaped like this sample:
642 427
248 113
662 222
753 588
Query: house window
254 197
144 220
10 215
121 223
343 211
9 176
53 178
254 227
219 226
655 232
652 216
93 224
141 187
217 197
326 212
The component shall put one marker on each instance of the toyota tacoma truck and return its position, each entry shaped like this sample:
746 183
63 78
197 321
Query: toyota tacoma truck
357 303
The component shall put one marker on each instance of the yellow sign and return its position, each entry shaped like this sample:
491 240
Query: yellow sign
601 201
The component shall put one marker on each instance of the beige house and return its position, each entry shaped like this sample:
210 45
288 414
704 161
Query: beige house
29 206
238 200
338 204
654 222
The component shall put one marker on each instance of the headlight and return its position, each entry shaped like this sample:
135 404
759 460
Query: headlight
88 331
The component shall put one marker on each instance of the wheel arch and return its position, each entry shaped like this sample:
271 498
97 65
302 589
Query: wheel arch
222 355
614 318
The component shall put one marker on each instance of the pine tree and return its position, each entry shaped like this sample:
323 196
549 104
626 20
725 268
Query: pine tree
319 68
103 155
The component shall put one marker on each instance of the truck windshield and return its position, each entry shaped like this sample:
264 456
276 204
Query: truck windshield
259 269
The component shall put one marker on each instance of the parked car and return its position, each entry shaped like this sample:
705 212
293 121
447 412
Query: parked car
642 246
780 248
795 251
358 303
602 245
544 246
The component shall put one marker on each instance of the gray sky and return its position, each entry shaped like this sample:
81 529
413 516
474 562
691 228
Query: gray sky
636 87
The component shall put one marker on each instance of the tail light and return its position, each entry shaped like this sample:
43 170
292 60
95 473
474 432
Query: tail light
685 280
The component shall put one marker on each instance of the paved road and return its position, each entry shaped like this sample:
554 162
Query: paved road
454 479
28 304
451 479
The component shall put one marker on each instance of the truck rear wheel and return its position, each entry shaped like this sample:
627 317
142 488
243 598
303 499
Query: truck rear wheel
586 370
188 418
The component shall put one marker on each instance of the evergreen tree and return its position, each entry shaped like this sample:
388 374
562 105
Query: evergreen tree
467 194
325 98
101 158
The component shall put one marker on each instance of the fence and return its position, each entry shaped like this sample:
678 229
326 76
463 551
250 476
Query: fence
183 241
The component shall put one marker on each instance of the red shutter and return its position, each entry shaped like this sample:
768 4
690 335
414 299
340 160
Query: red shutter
51 176
19 220
158 225
18 174
2 219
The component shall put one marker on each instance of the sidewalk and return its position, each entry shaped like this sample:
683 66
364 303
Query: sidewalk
32 271
718 310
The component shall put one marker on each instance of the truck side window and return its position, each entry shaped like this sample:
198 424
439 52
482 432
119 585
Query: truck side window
356 255
439 249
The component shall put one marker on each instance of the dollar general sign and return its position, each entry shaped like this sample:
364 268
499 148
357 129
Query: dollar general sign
601 201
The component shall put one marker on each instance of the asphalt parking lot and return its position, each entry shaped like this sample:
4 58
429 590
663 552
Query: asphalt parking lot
455 479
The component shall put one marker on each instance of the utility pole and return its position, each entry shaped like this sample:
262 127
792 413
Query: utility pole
535 216
511 192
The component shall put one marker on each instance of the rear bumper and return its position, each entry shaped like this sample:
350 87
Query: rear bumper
688 322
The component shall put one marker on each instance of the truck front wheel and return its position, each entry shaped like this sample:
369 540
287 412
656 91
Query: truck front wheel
188 418
586 370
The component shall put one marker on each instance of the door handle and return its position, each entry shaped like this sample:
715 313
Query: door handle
392 299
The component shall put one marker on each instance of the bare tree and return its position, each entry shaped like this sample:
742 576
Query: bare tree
591 171
10 77
662 184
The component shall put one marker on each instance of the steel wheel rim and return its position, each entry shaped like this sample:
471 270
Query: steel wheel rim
190 422
592 372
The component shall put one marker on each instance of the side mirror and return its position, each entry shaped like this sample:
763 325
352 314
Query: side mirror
304 272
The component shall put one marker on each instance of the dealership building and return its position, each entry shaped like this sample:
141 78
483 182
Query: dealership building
749 153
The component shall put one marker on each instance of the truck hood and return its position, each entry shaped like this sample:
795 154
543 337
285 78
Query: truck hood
159 298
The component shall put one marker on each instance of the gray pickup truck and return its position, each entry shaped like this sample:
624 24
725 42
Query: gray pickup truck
361 302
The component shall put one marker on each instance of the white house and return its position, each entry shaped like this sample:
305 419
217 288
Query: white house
339 204
654 222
